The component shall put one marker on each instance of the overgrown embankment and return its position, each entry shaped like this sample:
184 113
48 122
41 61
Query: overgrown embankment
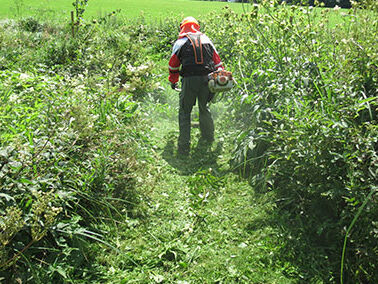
91 185
307 113
70 138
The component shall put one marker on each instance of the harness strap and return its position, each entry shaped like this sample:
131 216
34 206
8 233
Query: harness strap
197 47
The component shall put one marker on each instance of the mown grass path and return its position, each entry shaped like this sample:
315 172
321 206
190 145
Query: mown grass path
203 224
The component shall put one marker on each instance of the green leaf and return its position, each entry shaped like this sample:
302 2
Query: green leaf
61 271
24 180
6 197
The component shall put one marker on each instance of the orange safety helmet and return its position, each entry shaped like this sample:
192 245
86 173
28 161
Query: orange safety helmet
189 25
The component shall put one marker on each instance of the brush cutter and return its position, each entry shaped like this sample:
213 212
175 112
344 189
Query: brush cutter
220 81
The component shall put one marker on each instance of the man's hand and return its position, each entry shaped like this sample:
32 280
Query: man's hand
174 86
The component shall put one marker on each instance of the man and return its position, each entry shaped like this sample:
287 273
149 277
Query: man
197 56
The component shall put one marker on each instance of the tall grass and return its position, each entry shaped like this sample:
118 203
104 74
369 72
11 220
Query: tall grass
306 106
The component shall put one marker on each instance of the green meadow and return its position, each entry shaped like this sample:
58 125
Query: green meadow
150 10
129 8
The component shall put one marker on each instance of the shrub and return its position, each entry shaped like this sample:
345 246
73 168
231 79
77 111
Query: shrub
30 24
68 140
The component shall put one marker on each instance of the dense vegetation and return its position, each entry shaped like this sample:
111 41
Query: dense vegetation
68 140
309 114
81 169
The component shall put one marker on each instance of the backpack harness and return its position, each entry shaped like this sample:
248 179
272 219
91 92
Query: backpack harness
195 40
218 81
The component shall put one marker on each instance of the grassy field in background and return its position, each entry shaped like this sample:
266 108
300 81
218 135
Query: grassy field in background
129 8
150 9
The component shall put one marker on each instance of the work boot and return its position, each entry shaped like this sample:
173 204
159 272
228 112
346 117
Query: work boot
205 141
205 144
183 151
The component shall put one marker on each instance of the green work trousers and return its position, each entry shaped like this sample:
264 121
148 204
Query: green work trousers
194 88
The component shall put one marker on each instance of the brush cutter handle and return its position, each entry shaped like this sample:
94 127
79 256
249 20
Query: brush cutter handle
174 87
